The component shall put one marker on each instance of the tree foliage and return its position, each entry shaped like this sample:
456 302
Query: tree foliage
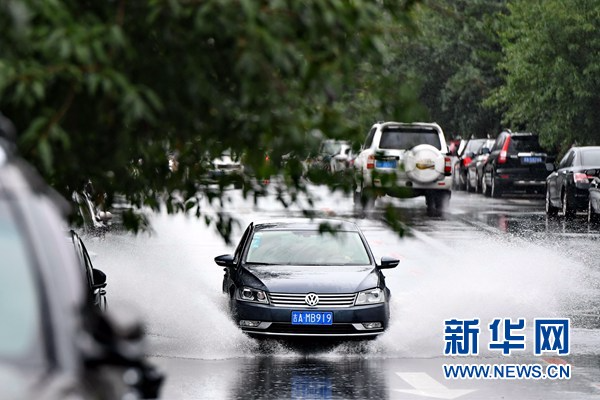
106 90
551 70
454 57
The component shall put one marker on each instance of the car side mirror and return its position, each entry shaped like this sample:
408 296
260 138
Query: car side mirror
99 278
225 260
388 262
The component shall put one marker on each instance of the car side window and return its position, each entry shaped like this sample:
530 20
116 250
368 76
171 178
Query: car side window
240 247
370 136
499 142
567 160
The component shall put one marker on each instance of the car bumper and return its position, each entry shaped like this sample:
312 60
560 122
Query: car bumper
347 321
518 180
406 187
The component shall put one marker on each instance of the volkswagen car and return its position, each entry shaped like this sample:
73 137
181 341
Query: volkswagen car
306 278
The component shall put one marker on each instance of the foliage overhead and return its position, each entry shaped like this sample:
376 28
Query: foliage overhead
551 70
107 90
454 57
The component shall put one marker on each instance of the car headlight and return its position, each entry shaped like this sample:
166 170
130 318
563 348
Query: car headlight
249 294
371 296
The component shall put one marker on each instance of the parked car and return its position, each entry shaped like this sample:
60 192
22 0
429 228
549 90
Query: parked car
594 201
475 168
567 188
332 156
404 160
55 343
95 278
516 163
290 279
227 169
464 158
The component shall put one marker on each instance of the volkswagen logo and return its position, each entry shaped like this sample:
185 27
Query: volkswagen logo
311 299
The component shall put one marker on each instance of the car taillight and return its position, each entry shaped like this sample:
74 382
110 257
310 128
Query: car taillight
504 151
371 162
447 166
502 157
467 161
581 178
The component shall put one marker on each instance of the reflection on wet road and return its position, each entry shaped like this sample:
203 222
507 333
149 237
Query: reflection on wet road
487 258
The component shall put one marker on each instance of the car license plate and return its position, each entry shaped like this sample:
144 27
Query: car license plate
386 163
531 160
312 318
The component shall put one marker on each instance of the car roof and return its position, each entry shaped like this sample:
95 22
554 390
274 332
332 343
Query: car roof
411 124
307 224
18 176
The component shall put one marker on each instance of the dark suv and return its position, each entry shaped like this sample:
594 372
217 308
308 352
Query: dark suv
516 163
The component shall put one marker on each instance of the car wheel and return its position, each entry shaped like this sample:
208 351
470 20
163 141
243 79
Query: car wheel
495 189
478 184
470 187
462 181
567 211
364 199
484 187
442 200
551 211
593 217
430 204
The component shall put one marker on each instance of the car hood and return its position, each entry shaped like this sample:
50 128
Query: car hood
304 279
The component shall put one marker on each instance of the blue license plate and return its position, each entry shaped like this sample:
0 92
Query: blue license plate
386 163
531 160
312 318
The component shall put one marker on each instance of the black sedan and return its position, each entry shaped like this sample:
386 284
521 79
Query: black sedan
567 188
296 278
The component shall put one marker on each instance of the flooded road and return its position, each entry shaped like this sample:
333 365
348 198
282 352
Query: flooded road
486 259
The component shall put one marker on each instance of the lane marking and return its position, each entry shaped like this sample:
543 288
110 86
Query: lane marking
424 385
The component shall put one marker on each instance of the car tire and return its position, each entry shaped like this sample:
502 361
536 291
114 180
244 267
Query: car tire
551 211
430 204
495 190
592 217
484 187
424 163
478 184
462 181
364 199
568 212
442 201
470 187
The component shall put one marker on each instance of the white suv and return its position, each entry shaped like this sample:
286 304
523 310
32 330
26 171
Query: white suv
404 160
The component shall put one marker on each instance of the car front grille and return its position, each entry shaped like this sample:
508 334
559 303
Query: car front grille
335 329
327 300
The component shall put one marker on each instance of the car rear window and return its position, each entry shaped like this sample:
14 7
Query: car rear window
524 144
406 138
590 157
307 247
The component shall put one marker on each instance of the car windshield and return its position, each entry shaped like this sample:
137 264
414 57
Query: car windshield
474 145
307 247
331 147
525 144
590 157
406 138
20 330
